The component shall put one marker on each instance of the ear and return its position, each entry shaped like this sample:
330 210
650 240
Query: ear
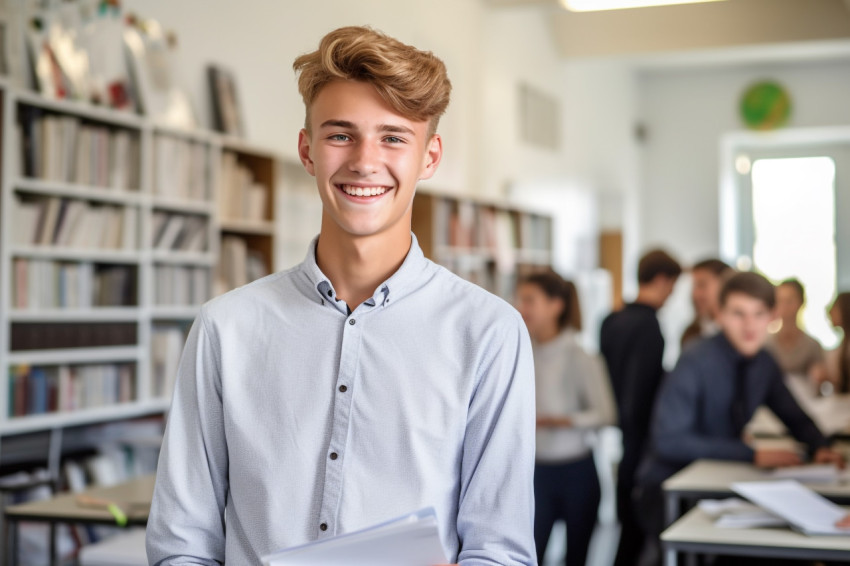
433 155
304 152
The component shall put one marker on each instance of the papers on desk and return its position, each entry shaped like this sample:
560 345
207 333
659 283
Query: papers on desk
812 474
735 513
410 540
803 509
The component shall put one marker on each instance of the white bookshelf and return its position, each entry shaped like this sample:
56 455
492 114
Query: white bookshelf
195 200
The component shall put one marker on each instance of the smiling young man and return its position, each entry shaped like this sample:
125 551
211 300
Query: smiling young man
712 393
365 382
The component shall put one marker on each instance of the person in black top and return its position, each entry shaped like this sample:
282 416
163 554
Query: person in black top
633 347
712 393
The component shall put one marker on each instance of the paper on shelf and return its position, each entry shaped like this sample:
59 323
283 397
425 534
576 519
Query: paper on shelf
805 510
735 513
410 540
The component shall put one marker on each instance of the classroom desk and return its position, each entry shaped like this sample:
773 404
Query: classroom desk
134 497
713 479
695 533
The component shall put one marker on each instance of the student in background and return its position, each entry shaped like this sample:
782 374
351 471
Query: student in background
838 361
573 399
712 393
633 347
706 280
797 353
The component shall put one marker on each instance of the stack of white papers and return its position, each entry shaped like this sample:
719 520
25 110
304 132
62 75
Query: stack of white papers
734 513
814 474
410 540
805 510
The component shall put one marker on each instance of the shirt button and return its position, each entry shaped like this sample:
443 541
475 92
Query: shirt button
323 527
352 322
334 456
343 388
330 293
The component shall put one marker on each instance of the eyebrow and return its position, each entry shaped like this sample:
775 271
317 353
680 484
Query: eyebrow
395 129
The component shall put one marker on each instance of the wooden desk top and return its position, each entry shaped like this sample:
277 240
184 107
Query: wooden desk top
695 527
707 477
134 498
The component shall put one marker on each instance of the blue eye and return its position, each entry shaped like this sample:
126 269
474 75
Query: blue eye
339 137
394 139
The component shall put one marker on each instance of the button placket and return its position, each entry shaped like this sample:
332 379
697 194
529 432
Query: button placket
340 426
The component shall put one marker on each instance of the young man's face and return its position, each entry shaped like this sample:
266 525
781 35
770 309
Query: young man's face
366 159
788 304
745 320
705 292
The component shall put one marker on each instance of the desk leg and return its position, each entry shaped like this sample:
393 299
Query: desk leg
10 536
672 509
54 560
671 557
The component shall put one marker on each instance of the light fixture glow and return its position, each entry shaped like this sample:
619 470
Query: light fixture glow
599 5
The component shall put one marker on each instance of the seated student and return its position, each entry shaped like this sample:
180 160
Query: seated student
796 352
706 280
838 360
573 398
712 393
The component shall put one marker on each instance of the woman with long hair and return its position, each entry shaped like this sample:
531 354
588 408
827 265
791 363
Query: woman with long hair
573 399
838 361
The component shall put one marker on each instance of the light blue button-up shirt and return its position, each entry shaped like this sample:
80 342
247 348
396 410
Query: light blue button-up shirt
294 420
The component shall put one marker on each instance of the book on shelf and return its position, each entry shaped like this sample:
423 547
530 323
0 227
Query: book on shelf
182 168
178 285
166 348
179 232
240 196
73 223
47 284
63 148
24 336
238 264
37 390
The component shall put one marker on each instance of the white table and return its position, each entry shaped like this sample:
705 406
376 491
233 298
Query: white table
695 533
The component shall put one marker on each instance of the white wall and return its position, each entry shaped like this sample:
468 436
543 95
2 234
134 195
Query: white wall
686 112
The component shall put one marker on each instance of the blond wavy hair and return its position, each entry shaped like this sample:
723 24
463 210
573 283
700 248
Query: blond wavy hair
413 82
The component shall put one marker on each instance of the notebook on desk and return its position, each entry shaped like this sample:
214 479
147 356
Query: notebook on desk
804 510
409 540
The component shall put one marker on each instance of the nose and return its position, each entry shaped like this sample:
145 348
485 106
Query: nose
365 158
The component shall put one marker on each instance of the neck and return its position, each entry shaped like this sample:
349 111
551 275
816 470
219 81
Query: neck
356 265
789 329
648 296
547 334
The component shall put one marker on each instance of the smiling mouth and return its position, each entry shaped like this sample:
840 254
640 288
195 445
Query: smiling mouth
357 191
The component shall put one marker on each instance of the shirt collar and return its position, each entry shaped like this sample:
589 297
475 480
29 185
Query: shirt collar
398 284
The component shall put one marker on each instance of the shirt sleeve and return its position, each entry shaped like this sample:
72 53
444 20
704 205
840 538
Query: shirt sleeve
186 523
496 508
642 377
799 424
595 389
675 437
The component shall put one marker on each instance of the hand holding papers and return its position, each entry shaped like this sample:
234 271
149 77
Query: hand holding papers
410 540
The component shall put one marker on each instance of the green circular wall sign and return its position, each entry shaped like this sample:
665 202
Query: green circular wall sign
765 105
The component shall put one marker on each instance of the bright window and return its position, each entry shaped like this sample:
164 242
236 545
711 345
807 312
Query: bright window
794 222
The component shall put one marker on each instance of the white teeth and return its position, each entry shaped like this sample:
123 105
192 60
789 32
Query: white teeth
363 191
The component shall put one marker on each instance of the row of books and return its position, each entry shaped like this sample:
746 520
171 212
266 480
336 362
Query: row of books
62 335
166 348
63 148
180 232
465 224
177 285
238 264
73 223
47 284
36 390
240 196
182 169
